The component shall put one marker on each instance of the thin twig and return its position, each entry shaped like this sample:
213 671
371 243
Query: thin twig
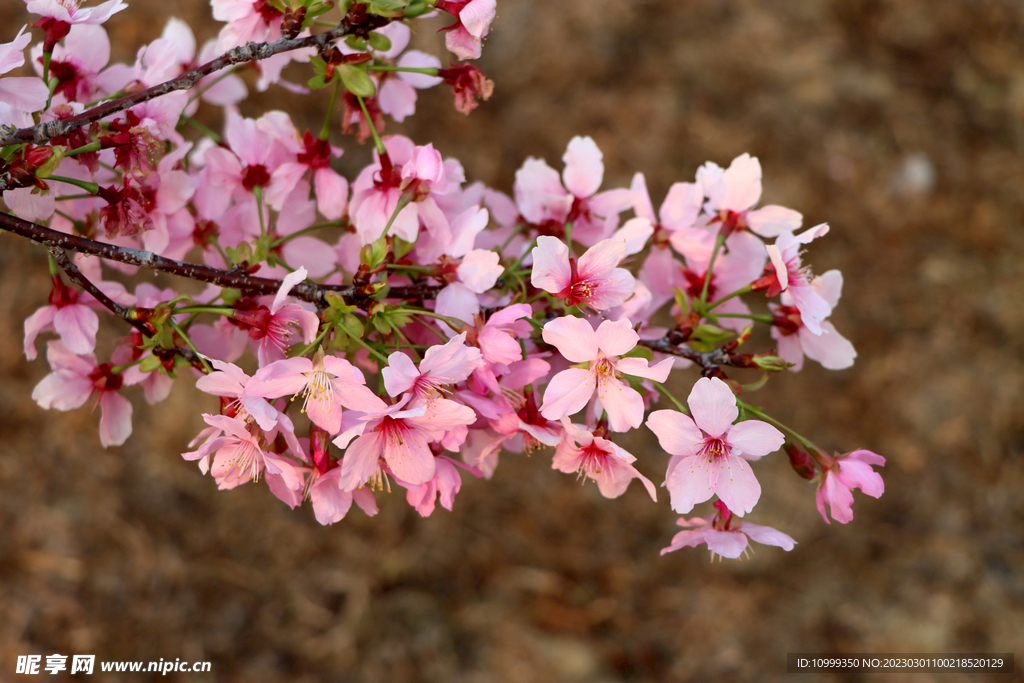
237 279
360 24
123 312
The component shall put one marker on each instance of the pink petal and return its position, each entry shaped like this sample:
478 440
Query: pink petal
34 324
615 337
676 432
400 374
625 405
637 367
713 405
331 193
772 220
410 457
600 259
690 482
115 419
740 186
360 460
681 206
688 538
330 502
477 16
729 544
736 484
77 326
584 168
280 378
768 536
551 270
574 338
397 99
635 232
62 390
830 348
290 280
755 438
568 392
480 269
855 474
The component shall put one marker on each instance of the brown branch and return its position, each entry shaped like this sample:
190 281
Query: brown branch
709 361
75 275
352 24
237 279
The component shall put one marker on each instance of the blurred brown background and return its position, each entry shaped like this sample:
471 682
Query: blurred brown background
897 121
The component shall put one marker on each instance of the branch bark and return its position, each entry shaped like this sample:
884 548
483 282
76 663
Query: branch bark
241 280
250 52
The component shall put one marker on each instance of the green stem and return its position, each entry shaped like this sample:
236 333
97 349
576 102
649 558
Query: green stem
54 268
181 333
298 233
202 129
325 132
665 392
118 369
519 260
258 192
807 443
738 292
719 241
221 310
315 344
369 122
428 70
91 188
411 269
518 229
759 318
93 146
381 357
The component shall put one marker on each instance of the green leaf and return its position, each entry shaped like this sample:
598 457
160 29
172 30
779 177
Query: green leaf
379 41
356 43
356 81
316 82
639 352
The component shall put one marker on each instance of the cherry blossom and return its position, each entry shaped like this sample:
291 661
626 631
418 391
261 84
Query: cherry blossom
725 534
848 472
595 281
710 452
570 390
598 458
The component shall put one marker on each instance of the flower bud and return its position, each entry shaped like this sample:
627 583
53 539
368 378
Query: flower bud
770 362
800 460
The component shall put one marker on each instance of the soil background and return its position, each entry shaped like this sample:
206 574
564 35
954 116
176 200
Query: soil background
897 121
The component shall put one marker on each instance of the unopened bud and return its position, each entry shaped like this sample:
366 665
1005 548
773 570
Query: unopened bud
319 440
800 460
770 362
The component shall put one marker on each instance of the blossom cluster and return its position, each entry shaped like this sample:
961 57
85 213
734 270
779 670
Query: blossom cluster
406 327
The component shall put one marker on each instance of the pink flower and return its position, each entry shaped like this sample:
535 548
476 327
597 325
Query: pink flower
445 485
850 471
76 378
725 534
331 502
76 323
59 15
272 330
326 382
25 95
441 367
229 381
474 21
497 338
248 20
710 451
402 438
599 459
240 455
734 192
596 281
570 390
795 340
793 277
542 199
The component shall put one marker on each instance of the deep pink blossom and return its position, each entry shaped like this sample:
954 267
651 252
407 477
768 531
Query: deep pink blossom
273 330
850 471
76 323
598 458
441 367
710 452
595 281
465 37
570 390
725 534
790 275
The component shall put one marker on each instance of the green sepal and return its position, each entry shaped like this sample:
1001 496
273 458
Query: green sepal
356 43
387 8
150 363
50 165
706 337
400 247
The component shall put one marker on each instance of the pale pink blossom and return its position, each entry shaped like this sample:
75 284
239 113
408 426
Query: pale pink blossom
248 20
848 472
78 377
570 390
230 381
795 340
725 534
441 367
240 454
498 337
327 383
401 437
595 281
444 486
710 452
600 459
76 323
793 277
23 95
734 192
